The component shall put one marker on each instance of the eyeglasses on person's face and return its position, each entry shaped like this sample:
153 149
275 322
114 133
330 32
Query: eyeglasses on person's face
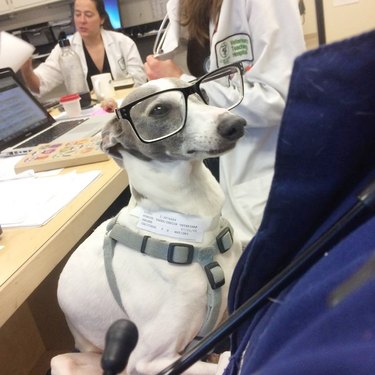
150 117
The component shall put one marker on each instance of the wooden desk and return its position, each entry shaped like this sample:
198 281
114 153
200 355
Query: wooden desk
33 328
121 93
31 254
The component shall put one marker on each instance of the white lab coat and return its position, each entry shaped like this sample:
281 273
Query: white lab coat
269 33
122 53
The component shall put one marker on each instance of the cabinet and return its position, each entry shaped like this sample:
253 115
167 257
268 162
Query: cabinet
9 6
4 6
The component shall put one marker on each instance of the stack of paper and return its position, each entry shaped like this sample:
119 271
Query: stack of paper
33 200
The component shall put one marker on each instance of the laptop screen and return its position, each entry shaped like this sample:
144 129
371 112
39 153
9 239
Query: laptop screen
20 113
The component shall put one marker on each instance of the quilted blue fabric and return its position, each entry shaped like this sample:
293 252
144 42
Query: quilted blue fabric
325 156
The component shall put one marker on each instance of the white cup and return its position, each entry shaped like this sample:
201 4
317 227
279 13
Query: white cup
71 104
103 86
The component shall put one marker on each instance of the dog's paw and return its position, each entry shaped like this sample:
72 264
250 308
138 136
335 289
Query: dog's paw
76 364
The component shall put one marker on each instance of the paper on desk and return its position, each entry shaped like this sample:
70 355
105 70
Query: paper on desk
14 51
34 201
7 172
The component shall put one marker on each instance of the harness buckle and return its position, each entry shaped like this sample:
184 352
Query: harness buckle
224 240
180 253
215 275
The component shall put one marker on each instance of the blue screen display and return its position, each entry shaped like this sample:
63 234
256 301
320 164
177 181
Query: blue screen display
113 9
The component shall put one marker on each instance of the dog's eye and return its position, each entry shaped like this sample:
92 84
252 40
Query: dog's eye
159 110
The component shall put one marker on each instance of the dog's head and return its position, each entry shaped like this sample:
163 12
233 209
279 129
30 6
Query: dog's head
208 132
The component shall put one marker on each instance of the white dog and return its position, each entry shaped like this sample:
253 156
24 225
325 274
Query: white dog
166 260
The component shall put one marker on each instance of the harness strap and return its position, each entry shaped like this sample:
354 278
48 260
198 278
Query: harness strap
176 253
108 252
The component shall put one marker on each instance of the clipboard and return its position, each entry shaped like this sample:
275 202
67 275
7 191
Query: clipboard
57 155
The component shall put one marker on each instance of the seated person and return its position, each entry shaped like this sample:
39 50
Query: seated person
100 50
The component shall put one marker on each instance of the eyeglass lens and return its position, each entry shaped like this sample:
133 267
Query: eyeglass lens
159 116
223 88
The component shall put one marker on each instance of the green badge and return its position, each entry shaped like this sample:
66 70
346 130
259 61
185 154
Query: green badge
234 48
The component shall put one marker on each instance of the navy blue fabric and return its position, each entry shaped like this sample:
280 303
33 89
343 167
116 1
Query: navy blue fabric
325 155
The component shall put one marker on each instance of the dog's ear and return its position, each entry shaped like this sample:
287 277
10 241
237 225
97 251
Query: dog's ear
110 140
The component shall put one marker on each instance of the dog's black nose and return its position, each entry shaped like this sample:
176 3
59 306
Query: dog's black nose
231 127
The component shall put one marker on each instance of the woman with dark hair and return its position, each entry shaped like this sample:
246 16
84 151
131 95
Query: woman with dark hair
103 14
99 47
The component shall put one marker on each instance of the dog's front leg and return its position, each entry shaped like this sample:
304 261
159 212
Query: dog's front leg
89 364
153 367
76 364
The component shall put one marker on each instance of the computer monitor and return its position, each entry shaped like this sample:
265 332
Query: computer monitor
113 9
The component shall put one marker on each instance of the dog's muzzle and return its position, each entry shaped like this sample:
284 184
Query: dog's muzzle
231 127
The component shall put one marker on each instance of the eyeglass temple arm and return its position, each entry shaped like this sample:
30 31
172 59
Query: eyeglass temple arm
160 37
223 73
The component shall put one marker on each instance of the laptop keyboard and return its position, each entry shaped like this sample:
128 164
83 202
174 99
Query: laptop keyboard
53 133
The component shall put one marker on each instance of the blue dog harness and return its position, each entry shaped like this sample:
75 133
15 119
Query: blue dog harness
174 253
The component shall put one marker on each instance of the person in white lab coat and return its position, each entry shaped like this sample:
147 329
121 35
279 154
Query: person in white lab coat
100 49
269 34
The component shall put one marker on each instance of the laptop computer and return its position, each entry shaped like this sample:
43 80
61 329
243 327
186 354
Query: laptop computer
24 123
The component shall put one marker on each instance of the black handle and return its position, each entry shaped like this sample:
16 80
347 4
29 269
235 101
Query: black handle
120 340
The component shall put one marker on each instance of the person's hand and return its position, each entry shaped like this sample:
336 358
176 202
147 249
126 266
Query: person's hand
30 78
109 105
27 67
156 68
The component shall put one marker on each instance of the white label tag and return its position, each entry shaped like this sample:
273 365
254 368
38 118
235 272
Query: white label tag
173 224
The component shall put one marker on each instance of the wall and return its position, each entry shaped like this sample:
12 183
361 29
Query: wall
46 13
343 18
349 19
133 12
309 19
138 12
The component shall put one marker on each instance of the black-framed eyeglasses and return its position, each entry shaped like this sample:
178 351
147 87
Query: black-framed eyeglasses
163 114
